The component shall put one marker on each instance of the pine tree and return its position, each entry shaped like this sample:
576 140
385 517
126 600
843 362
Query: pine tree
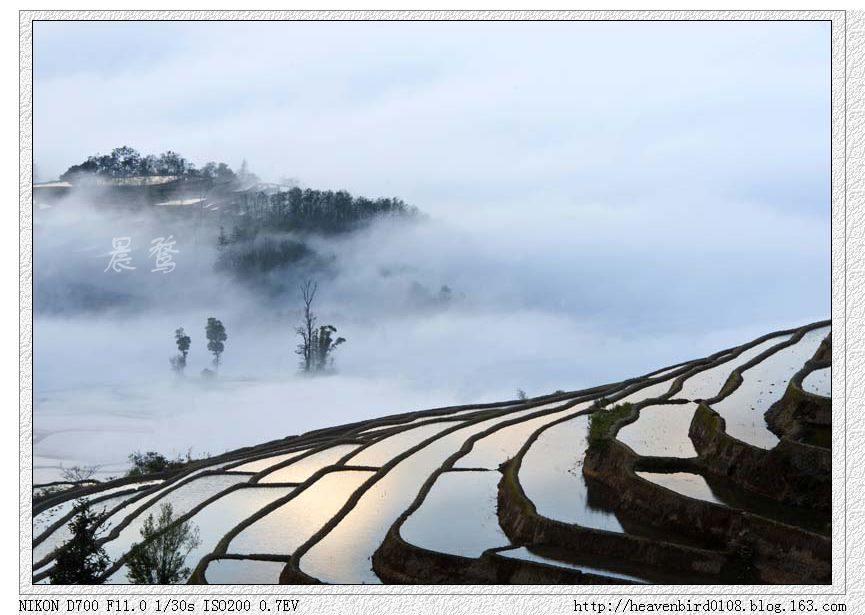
82 560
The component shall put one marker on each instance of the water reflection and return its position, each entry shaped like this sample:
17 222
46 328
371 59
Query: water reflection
649 392
812 520
707 383
181 499
819 382
384 450
343 556
498 447
685 483
217 518
302 469
552 477
763 385
458 515
262 464
548 556
714 490
661 431
460 413
243 572
286 528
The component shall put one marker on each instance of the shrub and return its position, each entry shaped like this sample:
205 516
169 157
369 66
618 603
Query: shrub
602 420
151 462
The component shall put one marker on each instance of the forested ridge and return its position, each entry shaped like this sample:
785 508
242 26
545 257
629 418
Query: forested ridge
260 226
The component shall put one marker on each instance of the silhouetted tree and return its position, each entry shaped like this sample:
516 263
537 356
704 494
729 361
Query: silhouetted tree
220 172
127 162
151 462
325 345
215 338
81 560
183 342
306 330
317 344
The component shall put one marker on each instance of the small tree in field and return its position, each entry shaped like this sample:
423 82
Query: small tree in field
325 345
317 343
160 557
81 561
306 331
183 342
215 338
79 474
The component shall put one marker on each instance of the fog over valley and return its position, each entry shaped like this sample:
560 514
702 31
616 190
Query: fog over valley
480 213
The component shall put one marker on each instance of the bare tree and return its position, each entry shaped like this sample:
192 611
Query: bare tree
79 474
317 344
307 330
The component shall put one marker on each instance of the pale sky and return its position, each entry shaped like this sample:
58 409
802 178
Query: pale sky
605 198
439 113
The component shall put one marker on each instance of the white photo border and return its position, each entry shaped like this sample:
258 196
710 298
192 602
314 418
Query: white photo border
848 265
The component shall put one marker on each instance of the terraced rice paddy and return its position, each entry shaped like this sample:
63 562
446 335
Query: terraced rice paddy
661 431
686 483
441 523
555 483
294 521
551 559
534 491
763 385
819 382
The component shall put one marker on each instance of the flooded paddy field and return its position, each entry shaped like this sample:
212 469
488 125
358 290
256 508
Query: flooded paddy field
450 495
